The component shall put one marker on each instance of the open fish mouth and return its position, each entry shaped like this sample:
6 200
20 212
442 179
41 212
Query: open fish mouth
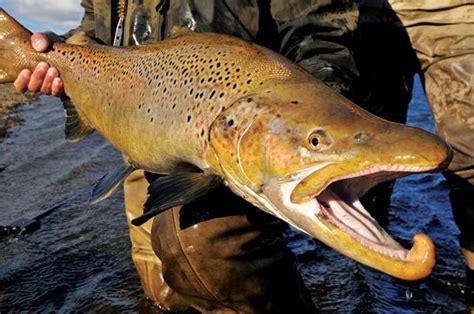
339 203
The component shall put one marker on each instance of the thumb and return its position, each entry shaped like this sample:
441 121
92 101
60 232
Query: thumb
40 42
43 41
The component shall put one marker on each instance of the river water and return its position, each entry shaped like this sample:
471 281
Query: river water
79 259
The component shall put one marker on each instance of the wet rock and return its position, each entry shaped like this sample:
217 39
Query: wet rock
9 103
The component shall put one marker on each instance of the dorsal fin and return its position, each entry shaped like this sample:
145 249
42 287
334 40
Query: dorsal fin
180 30
76 126
80 39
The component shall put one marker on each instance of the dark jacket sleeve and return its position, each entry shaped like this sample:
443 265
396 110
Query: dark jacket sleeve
88 21
318 36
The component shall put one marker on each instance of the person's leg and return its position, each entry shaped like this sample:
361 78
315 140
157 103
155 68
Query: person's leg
218 253
146 262
449 85
442 34
222 254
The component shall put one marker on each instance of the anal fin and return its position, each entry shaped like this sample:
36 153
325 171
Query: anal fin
76 125
174 190
109 183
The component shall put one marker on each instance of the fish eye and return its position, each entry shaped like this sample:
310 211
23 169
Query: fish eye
318 140
314 141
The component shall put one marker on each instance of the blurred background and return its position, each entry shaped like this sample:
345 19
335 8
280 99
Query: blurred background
58 16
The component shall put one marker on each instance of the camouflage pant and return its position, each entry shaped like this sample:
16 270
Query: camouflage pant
218 254
436 39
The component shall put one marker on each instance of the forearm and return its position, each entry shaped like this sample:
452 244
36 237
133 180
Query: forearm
319 38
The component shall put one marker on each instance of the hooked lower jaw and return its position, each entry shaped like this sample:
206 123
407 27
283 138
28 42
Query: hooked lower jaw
354 220
356 234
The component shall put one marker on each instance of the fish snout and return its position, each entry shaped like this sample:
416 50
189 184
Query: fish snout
415 147
443 156
387 143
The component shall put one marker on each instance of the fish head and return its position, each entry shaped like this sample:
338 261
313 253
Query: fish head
305 154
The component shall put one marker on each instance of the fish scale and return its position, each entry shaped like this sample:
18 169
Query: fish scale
177 88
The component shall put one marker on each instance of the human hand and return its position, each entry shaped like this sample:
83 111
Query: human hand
44 78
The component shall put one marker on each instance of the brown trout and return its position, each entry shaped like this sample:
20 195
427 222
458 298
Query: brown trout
210 108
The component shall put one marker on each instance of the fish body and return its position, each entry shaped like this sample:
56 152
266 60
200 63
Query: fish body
166 94
231 109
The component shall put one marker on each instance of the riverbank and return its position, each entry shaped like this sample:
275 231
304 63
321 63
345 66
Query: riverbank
9 103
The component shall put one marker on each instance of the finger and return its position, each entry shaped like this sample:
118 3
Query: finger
21 82
37 77
48 80
40 42
57 88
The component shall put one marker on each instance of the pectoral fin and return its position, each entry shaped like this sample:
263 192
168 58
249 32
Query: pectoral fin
176 189
109 183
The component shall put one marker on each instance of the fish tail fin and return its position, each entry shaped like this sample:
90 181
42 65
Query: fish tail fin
14 39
